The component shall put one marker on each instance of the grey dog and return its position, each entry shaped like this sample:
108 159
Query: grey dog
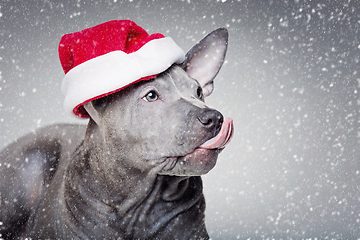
133 172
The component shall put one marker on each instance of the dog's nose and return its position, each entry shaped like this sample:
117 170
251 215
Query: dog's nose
212 120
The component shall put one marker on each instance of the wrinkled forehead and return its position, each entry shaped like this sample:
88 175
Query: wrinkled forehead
172 80
182 79
176 77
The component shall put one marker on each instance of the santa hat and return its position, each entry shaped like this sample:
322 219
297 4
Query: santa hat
104 59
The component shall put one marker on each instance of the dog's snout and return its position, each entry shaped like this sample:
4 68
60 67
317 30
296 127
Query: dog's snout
212 120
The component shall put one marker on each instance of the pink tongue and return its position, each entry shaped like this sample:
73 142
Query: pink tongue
223 137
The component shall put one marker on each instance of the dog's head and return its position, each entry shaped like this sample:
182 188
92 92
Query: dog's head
164 123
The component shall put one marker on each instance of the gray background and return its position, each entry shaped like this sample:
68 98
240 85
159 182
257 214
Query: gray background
290 82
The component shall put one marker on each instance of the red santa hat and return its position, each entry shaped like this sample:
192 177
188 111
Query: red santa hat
104 59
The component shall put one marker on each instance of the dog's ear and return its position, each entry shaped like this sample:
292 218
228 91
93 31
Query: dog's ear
92 111
205 59
96 107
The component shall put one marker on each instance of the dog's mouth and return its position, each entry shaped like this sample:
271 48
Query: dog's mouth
203 158
223 138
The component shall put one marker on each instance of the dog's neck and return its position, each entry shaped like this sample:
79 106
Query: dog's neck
135 198
99 168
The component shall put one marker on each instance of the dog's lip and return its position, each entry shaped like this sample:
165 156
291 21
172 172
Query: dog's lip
223 138
216 143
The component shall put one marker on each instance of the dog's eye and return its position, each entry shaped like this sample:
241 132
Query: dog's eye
152 96
199 93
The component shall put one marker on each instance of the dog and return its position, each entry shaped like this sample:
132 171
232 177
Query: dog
134 172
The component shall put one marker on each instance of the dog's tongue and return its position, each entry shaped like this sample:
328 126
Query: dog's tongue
223 137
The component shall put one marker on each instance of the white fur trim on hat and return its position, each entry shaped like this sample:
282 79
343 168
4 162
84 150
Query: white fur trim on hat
117 69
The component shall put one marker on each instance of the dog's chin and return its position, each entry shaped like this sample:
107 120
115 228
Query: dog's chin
196 163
